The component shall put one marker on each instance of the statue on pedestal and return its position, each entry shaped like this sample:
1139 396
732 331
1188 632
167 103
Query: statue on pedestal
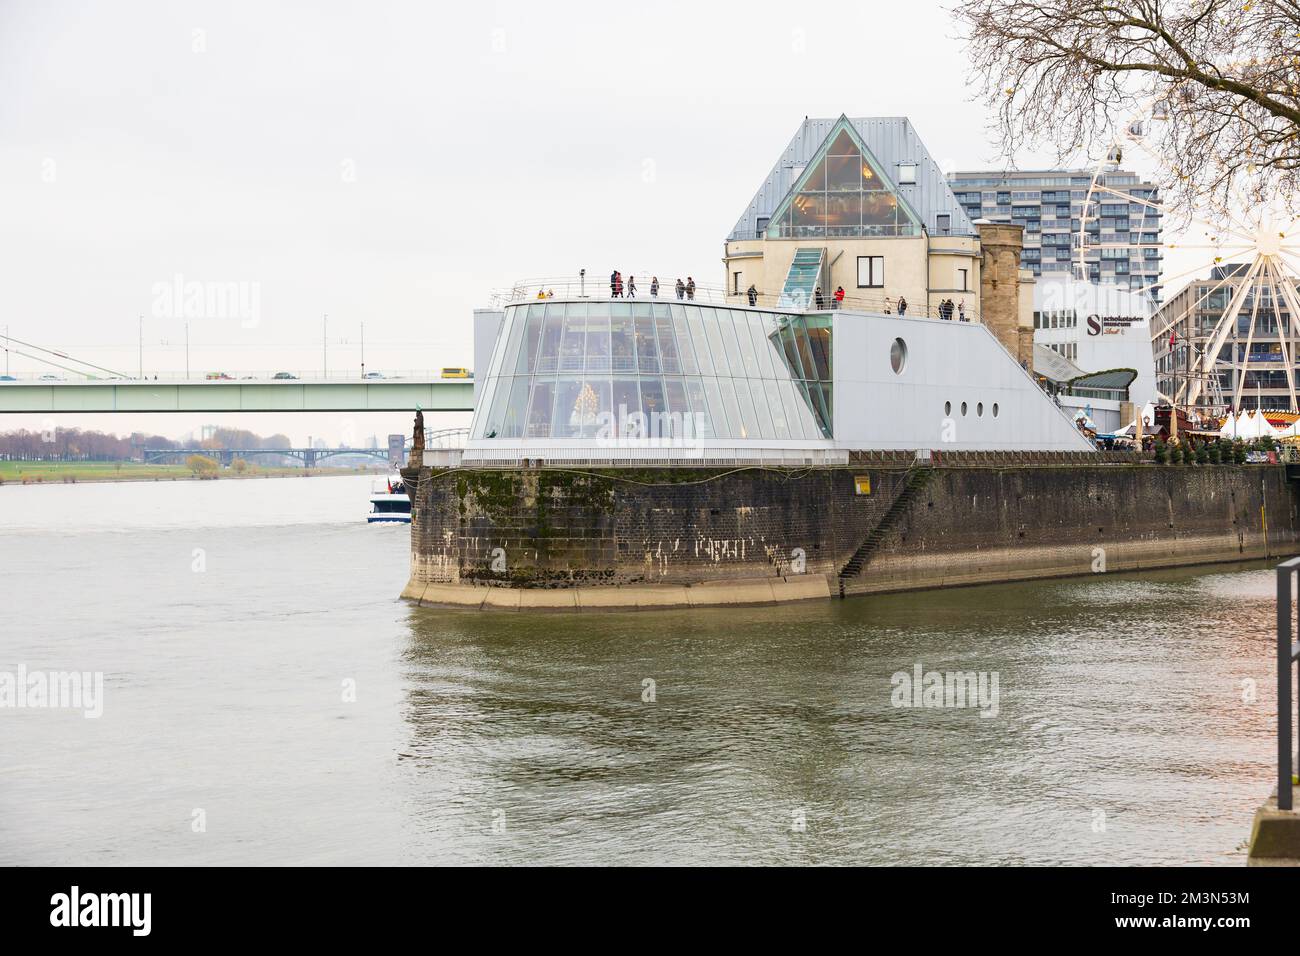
417 441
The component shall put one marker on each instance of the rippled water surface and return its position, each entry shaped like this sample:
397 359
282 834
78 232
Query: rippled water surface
231 619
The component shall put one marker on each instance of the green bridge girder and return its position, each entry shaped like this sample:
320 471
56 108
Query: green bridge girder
119 395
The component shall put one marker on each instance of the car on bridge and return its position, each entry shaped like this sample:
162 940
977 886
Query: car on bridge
373 375
282 376
219 377
457 373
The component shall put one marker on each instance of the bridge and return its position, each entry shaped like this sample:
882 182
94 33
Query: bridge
439 438
308 456
44 397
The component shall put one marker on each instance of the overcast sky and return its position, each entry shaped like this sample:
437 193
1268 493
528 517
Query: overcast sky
393 163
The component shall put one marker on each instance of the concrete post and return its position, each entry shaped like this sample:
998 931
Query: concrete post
1000 245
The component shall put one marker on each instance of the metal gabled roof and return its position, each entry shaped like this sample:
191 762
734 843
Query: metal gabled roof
892 141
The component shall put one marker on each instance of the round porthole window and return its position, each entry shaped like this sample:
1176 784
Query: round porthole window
947 409
979 409
963 408
898 356
995 409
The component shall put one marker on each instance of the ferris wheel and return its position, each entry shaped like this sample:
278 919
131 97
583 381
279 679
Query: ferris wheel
1246 259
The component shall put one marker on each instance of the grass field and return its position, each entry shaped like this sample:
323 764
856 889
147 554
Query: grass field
54 472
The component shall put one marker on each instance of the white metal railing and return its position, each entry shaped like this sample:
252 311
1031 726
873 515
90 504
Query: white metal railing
538 289
559 456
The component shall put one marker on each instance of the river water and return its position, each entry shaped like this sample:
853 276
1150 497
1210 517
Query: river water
268 699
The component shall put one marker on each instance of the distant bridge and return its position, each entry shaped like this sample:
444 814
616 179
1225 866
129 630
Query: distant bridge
444 437
43 397
308 456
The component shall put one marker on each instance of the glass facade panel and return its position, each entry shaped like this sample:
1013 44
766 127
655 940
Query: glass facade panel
653 407
715 348
567 415
571 371
528 347
762 414
699 339
647 352
762 345
573 347
598 342
675 396
627 402
842 193
539 411
748 358
737 423
668 357
597 409
717 408
685 349
843 172
779 423
622 346
516 410
548 356
749 428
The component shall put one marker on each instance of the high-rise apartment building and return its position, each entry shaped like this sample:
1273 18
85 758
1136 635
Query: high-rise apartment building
1122 230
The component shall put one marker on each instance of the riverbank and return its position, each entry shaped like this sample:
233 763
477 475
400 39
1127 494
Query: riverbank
73 472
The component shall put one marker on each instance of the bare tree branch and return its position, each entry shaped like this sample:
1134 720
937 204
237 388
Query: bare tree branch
1075 73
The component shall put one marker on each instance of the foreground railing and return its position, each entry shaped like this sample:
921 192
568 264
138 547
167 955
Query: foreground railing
1288 649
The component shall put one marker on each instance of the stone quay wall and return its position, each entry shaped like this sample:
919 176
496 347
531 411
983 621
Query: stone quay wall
553 537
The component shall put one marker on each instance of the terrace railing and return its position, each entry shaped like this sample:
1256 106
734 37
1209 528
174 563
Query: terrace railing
597 287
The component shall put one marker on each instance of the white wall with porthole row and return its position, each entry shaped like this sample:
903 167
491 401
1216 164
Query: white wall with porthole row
903 383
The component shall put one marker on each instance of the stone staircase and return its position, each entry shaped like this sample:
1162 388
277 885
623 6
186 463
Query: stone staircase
913 482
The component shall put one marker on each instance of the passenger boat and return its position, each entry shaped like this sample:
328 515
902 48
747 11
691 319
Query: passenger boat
389 503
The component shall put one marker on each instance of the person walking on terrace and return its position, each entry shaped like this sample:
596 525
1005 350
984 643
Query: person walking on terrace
753 295
631 287
902 306
654 287
690 288
839 297
681 288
